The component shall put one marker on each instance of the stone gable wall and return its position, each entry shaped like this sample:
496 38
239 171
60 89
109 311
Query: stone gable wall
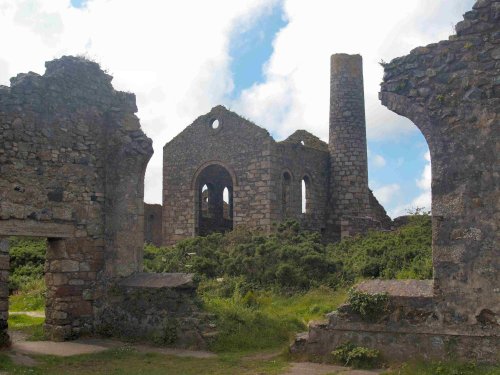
240 147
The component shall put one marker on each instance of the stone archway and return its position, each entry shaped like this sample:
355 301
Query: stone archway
212 212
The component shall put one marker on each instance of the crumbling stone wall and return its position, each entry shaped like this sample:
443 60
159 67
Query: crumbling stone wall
163 308
153 224
72 163
451 91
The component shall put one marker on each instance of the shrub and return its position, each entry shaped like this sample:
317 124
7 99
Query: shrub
27 260
290 259
369 306
357 356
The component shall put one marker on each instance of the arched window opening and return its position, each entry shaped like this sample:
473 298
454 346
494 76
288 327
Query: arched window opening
306 195
286 194
227 198
214 208
205 201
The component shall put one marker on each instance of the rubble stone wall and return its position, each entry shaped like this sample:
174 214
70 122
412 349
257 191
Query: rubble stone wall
72 163
451 92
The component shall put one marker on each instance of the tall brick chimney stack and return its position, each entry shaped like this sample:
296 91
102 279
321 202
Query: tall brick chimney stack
347 144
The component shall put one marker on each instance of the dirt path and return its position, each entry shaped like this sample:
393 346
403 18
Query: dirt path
33 314
308 368
22 349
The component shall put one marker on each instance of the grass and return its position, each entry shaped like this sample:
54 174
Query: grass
31 326
30 297
444 368
128 361
265 320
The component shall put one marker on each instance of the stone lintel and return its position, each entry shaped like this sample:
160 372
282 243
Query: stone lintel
158 280
398 288
32 228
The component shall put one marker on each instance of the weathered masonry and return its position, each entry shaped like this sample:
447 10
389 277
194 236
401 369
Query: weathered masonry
223 171
72 163
451 91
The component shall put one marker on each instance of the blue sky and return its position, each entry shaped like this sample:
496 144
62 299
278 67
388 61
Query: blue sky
268 60
399 162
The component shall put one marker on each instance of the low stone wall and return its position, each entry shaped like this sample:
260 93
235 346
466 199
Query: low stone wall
162 308
409 328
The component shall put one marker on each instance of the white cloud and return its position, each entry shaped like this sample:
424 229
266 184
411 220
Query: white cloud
424 199
385 194
379 161
297 75
174 56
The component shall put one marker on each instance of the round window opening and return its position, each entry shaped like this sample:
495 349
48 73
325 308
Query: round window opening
215 124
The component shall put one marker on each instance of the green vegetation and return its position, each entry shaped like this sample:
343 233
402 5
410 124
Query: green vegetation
349 354
126 360
260 320
262 288
293 260
444 368
369 306
31 326
27 259
29 297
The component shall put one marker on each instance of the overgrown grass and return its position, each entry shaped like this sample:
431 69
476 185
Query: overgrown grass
31 326
260 320
30 296
128 361
444 368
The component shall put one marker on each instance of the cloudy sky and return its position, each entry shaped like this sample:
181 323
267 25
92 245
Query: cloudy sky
265 59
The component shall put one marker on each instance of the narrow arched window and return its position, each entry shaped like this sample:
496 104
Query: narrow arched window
306 194
205 201
227 199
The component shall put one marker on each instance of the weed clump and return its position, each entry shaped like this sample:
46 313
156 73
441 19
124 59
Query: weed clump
370 307
357 356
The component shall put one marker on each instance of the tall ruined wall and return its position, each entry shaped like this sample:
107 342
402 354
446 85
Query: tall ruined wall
238 146
302 155
451 91
349 167
72 162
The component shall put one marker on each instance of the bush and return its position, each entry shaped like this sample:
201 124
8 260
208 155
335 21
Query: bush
294 260
356 356
27 260
369 306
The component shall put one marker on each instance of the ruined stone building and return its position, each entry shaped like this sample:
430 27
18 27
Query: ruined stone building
72 164
223 171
